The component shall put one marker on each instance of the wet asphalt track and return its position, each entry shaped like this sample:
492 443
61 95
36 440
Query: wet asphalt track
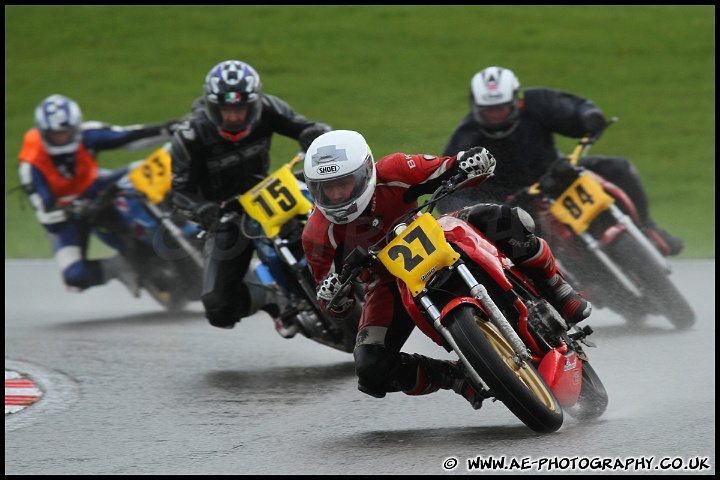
132 389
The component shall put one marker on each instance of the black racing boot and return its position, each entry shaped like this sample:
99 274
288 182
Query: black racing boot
270 298
543 269
433 375
667 243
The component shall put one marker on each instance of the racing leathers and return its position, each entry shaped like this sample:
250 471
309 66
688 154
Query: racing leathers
210 168
527 152
385 326
53 183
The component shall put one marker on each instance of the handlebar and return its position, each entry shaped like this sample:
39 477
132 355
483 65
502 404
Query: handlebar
359 258
88 210
353 264
446 188
233 205
584 144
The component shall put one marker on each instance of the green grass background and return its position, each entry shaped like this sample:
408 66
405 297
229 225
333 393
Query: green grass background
398 74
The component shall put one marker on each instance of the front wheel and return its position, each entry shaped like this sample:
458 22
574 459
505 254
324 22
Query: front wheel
172 284
518 385
658 290
170 301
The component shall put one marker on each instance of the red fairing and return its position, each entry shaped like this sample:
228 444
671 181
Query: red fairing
421 322
611 234
486 255
563 374
474 243
480 250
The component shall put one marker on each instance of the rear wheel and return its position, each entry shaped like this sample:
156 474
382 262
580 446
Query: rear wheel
518 385
593 398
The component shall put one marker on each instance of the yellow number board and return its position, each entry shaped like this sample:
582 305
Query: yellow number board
154 176
578 206
418 253
275 200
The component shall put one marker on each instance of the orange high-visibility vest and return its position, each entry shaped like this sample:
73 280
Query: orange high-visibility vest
64 189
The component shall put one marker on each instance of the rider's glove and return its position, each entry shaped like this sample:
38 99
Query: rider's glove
593 121
80 210
311 133
331 288
476 161
206 214
559 176
170 126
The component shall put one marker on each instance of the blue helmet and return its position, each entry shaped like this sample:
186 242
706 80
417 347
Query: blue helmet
233 83
59 121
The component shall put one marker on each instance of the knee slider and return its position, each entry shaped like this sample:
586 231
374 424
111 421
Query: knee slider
486 213
512 229
522 241
372 364
525 219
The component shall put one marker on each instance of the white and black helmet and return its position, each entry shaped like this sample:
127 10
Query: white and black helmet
333 156
495 101
59 114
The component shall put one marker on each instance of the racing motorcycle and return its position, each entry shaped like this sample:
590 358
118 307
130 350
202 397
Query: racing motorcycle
273 214
470 299
131 217
594 231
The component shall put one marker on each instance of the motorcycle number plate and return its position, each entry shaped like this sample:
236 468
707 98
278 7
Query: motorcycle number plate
580 203
418 252
153 177
275 200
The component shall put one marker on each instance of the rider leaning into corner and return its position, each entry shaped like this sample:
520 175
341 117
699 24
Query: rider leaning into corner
59 167
223 150
357 201
518 125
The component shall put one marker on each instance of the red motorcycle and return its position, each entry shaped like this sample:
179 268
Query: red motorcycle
470 299
594 231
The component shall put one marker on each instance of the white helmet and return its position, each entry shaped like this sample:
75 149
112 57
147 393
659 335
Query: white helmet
495 101
331 158
59 115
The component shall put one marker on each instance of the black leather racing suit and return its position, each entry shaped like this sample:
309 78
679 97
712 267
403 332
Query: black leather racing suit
529 150
207 166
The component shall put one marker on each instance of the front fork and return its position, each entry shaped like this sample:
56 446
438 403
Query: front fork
594 246
176 233
480 295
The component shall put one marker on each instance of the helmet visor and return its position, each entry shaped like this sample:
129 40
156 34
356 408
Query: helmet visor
494 115
336 194
59 137
232 116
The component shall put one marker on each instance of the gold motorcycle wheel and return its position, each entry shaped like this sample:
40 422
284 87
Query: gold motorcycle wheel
525 372
518 386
